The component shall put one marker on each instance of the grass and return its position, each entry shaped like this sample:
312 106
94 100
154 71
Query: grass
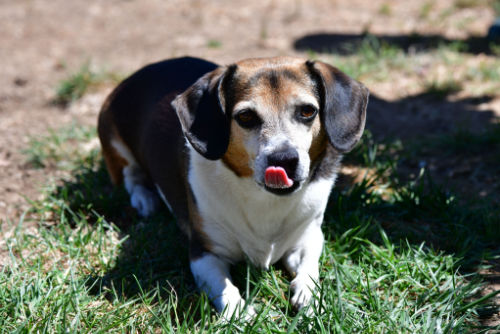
63 148
214 44
400 257
372 57
426 9
82 81
385 10
423 65
495 4
441 89
466 142
402 254
419 209
461 4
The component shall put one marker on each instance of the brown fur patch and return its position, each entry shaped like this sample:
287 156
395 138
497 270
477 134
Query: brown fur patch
114 163
107 132
274 85
319 141
198 240
236 157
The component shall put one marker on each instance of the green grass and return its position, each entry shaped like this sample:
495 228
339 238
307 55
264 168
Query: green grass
214 44
426 210
417 63
466 142
374 59
385 10
82 81
372 56
426 9
495 4
440 89
400 257
461 4
62 148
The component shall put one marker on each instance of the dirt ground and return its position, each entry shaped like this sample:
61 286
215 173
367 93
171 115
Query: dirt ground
42 42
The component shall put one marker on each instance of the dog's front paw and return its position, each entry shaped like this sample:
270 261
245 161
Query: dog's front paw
143 200
302 290
231 305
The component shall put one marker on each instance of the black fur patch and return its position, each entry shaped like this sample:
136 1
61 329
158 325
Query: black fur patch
343 105
204 120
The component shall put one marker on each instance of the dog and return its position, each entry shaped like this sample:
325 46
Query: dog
244 156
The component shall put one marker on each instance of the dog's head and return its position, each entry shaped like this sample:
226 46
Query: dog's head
272 118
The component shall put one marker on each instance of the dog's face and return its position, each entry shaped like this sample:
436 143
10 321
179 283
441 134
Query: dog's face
272 118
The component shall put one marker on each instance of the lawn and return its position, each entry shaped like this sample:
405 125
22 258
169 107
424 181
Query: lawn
405 252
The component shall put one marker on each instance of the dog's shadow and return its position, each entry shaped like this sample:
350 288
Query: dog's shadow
153 251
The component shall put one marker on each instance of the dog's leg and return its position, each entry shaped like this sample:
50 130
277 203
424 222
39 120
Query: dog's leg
303 262
142 198
212 276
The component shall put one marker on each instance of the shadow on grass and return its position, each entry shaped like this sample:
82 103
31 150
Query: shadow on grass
420 212
154 255
457 141
455 205
346 44
426 115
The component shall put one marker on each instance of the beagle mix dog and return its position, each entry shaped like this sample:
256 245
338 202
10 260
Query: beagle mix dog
243 155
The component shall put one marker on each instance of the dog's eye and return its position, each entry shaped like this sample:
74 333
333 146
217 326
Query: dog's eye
247 119
306 112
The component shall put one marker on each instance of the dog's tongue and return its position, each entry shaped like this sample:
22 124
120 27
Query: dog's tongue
276 178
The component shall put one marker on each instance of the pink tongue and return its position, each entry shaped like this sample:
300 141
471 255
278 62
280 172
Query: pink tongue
276 178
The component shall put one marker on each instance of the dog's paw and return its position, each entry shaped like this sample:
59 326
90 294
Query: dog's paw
239 311
231 305
143 200
302 291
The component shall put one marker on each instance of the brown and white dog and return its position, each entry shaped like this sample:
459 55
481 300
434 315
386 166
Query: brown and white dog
243 155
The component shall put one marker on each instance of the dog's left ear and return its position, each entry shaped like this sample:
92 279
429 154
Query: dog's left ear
201 111
343 105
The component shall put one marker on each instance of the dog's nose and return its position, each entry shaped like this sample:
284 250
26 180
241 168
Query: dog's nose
288 159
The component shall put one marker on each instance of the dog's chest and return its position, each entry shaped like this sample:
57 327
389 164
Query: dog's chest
241 220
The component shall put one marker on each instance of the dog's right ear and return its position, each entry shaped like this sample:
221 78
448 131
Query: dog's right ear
201 111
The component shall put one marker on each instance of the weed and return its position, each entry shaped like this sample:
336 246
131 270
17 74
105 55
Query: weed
485 71
464 141
214 44
385 9
426 9
62 148
468 3
495 4
263 31
441 89
371 56
495 48
81 82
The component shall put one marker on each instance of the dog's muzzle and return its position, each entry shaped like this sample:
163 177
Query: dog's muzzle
281 172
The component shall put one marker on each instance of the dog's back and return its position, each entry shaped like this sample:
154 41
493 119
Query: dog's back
128 137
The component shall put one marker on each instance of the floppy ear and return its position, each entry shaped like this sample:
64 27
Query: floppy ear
201 111
343 105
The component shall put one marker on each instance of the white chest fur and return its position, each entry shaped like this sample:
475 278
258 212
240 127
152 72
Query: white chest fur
242 219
